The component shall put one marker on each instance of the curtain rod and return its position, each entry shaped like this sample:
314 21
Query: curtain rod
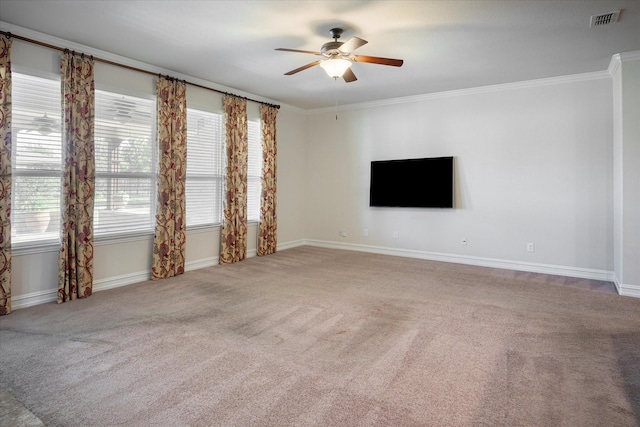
117 64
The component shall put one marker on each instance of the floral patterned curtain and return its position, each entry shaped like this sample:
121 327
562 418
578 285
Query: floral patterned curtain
233 242
75 263
5 176
169 241
267 230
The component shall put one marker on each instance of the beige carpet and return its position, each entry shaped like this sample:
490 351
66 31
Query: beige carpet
314 336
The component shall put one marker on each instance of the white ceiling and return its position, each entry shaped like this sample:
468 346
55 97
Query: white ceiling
446 45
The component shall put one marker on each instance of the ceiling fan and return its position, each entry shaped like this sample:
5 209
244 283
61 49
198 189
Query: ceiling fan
338 57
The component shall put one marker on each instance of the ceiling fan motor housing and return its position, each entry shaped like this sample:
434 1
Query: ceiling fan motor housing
330 49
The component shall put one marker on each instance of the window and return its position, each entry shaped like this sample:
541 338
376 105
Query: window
125 152
126 159
204 168
254 172
36 159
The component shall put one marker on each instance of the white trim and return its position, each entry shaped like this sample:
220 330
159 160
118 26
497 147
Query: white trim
33 298
596 75
626 290
290 245
201 263
619 58
51 295
117 239
628 56
558 270
629 290
122 280
37 248
200 229
617 283
614 64
41 297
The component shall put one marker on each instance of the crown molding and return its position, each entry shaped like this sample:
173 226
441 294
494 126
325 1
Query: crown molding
596 75
619 58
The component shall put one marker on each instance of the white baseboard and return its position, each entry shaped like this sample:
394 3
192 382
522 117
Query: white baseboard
558 270
628 290
51 295
41 297
201 263
292 244
33 298
122 280
625 289
617 283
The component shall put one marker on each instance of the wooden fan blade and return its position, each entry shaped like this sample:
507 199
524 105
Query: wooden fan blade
348 76
352 44
377 60
304 67
299 51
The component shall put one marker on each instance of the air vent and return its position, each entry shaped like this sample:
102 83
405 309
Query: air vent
604 19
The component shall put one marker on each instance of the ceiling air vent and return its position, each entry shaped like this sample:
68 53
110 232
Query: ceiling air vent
604 19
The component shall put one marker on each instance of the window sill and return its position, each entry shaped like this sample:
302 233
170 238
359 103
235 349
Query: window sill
115 239
53 245
37 247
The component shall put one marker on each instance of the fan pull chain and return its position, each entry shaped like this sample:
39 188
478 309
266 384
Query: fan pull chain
336 107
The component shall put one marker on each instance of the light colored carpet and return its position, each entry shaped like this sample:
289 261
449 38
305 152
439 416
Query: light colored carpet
312 336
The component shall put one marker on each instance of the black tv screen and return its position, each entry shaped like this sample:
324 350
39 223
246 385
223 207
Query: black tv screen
418 183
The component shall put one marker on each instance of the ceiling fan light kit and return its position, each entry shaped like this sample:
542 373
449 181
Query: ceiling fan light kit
338 58
335 67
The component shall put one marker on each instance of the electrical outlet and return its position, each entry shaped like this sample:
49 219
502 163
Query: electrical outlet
464 241
365 232
395 234
531 247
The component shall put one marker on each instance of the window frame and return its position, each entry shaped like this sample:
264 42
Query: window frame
200 177
257 178
43 239
151 176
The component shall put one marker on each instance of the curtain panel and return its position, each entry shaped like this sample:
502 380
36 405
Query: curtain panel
75 263
169 241
233 241
267 230
5 176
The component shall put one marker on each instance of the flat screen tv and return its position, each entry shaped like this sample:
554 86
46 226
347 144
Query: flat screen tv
415 183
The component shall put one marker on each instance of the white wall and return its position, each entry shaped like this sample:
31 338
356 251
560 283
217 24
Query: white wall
291 168
626 174
117 263
631 171
533 164
617 173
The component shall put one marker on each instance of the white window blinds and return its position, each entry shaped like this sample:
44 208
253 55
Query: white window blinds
204 168
126 158
37 159
254 172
